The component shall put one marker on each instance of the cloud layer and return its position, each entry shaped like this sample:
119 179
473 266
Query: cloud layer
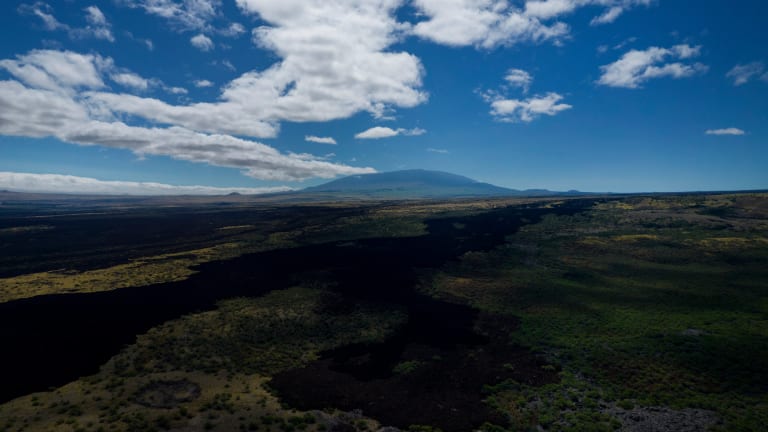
58 93
57 183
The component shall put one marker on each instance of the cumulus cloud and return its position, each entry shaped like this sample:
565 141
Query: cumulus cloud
385 132
484 23
527 110
726 131
320 140
491 23
514 110
335 62
50 97
97 25
201 42
58 183
743 73
638 66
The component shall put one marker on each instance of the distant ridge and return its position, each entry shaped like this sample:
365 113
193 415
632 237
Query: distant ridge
417 183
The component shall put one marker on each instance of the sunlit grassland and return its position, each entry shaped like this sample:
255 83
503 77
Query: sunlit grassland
641 302
390 220
177 266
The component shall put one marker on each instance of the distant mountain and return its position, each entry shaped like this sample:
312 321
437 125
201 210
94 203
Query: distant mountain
414 184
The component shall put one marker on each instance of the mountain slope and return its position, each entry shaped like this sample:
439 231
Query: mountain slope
410 184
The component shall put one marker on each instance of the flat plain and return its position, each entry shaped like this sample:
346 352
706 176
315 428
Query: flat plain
644 312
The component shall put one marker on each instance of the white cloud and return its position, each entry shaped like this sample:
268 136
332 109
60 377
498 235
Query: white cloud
130 79
234 30
490 23
184 15
608 16
47 101
176 90
98 27
201 42
227 64
202 83
727 131
45 13
335 62
436 150
95 16
58 183
320 140
519 78
55 70
483 23
527 110
377 132
743 73
635 67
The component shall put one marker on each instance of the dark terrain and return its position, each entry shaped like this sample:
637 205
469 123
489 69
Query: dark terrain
81 331
630 313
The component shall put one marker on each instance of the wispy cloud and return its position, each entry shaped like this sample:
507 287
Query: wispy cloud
184 15
58 183
638 66
519 78
436 150
202 83
726 131
130 79
378 132
744 73
97 26
320 140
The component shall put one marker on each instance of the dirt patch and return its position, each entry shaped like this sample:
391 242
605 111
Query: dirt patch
660 419
167 394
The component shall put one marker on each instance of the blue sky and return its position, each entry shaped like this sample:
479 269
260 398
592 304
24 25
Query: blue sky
262 95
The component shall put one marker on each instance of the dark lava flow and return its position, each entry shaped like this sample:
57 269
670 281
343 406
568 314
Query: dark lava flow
48 341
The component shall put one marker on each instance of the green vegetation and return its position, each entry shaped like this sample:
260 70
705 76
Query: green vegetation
284 329
641 306
208 371
641 302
